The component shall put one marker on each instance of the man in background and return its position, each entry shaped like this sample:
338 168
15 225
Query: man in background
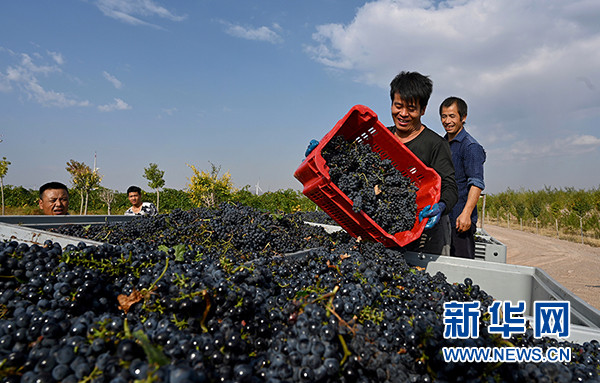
468 157
54 199
134 194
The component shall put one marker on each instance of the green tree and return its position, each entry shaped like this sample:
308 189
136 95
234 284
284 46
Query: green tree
556 211
155 180
596 199
76 169
208 188
84 179
520 208
287 201
580 204
534 205
246 197
504 200
20 197
175 199
108 197
3 169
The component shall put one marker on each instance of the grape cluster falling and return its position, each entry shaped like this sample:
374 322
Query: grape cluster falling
373 184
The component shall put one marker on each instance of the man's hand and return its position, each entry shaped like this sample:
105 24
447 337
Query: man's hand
311 146
463 222
433 213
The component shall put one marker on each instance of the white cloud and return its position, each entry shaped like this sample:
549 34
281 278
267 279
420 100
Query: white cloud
259 34
27 65
4 84
527 68
117 105
166 111
584 142
133 11
476 39
24 76
524 150
57 57
112 79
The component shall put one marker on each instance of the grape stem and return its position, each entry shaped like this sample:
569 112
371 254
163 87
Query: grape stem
160 276
206 311
347 352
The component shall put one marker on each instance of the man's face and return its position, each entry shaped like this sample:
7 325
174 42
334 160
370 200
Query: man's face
451 120
406 114
134 198
55 202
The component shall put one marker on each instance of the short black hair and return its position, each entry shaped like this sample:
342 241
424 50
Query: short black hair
134 189
412 86
53 185
461 105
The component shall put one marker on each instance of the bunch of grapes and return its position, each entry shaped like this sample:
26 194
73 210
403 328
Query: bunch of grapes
342 312
246 229
373 184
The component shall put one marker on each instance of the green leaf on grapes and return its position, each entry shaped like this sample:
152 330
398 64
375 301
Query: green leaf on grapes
180 250
154 354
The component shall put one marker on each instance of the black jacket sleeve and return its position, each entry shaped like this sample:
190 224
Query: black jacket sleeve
441 162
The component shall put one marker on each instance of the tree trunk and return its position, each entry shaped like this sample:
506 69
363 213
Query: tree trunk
86 202
521 219
556 222
157 200
536 226
2 188
508 221
483 212
581 228
81 205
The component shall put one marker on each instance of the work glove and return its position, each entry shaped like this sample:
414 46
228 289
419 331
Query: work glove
433 213
311 146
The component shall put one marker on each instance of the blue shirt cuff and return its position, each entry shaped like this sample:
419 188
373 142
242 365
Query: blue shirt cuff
476 182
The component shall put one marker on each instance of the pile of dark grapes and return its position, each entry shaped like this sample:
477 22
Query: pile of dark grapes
142 311
373 184
231 224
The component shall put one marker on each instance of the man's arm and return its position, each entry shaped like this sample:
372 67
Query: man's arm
443 165
463 222
474 159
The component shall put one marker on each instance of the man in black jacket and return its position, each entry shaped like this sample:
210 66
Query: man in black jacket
410 92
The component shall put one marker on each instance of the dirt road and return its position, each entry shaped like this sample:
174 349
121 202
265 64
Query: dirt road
575 266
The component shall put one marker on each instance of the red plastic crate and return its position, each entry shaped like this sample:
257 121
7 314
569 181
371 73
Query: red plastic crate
361 124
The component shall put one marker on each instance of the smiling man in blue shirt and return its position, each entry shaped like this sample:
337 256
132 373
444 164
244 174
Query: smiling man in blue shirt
468 157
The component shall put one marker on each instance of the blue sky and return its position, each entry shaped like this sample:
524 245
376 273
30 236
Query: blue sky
245 85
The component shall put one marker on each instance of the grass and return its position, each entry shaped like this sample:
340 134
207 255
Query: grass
566 234
27 210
